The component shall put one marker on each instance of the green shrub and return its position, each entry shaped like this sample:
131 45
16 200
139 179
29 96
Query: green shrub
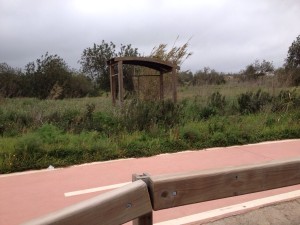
171 146
191 109
197 110
207 112
216 125
28 153
14 123
142 115
105 123
217 101
270 122
285 101
253 102
70 120
49 134
191 134
142 146
218 139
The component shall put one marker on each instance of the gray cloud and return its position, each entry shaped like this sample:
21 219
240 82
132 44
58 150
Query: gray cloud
226 35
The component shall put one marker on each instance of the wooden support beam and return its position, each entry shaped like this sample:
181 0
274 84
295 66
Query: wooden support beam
120 77
112 84
174 84
161 86
115 207
146 75
180 189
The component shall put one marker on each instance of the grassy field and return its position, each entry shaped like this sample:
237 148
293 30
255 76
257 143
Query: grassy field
37 133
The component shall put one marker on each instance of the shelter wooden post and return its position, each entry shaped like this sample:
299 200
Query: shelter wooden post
174 84
138 86
112 84
120 77
161 86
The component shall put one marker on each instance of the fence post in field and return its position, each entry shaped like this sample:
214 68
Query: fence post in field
146 219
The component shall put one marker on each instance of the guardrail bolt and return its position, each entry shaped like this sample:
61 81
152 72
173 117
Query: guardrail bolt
164 194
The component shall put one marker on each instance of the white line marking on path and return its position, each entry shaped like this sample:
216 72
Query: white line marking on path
97 189
232 209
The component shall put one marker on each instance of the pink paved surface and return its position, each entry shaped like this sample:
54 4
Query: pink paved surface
24 196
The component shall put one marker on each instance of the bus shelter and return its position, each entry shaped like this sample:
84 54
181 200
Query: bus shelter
161 66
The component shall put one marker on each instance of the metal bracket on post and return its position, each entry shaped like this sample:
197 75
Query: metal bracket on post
146 219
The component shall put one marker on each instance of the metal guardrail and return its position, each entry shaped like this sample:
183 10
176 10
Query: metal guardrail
136 201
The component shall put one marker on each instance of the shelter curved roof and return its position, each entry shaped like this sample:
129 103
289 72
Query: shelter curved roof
156 64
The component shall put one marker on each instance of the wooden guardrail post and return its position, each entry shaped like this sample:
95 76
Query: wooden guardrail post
146 219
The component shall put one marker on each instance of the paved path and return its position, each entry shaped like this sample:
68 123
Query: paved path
24 196
287 213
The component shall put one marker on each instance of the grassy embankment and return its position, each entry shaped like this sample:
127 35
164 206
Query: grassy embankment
37 133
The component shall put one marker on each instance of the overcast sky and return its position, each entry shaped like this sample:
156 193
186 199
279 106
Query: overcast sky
226 35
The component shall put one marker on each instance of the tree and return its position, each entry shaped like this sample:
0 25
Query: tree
293 57
266 67
292 64
48 77
78 86
10 81
250 72
208 76
185 77
257 69
93 62
128 50
48 72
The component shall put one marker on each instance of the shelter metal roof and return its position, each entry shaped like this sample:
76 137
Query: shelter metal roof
152 63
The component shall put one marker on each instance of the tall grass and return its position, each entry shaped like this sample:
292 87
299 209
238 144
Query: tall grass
36 134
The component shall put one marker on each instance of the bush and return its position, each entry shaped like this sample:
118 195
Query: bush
191 134
208 76
28 154
217 101
206 112
105 123
285 101
49 133
196 109
138 115
253 102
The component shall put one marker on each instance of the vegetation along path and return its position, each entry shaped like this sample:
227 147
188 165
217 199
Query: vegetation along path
38 133
36 193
